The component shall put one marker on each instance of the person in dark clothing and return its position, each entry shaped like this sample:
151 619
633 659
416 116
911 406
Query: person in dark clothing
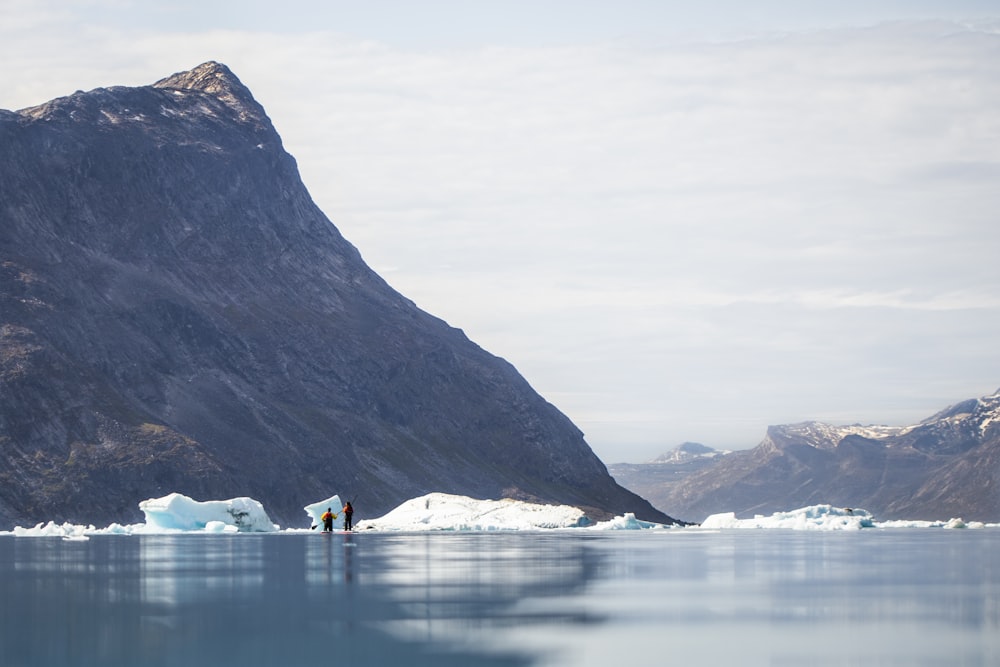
348 516
327 518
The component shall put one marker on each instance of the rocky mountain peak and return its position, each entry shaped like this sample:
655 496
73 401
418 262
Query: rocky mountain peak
686 451
216 79
969 420
827 436
209 77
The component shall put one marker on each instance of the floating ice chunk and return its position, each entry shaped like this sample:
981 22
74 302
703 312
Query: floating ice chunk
178 512
316 510
53 529
628 522
815 517
442 511
220 527
721 520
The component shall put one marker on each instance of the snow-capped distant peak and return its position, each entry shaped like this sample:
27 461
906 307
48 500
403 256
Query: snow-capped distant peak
820 434
978 414
688 451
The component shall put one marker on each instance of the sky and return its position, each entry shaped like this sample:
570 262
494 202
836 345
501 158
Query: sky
679 221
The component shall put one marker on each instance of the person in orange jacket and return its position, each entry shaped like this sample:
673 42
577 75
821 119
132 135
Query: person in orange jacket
348 513
327 519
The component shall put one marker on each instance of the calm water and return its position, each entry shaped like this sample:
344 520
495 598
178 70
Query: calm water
903 597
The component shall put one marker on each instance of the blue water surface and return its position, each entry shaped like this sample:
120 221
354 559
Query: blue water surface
679 597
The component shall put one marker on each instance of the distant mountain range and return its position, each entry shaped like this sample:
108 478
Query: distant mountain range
944 467
176 314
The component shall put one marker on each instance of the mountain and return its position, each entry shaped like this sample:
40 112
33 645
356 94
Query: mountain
654 480
176 314
687 452
944 467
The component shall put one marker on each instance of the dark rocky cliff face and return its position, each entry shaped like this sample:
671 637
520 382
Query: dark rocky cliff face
176 314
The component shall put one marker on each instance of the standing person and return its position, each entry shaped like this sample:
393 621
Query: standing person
348 516
327 519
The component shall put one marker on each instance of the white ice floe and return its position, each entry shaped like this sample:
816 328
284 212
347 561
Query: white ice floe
628 522
815 517
441 511
178 512
53 529
950 523
171 513
827 517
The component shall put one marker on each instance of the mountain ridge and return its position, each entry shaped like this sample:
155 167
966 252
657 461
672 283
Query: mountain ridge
945 466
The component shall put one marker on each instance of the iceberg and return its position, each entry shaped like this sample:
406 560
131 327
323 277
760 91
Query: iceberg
815 517
178 512
629 522
53 529
828 517
316 510
442 511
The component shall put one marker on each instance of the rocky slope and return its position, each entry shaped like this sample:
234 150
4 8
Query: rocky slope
176 314
655 479
946 466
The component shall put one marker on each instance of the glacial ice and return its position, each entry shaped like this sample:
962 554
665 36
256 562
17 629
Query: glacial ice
316 510
178 512
444 512
815 517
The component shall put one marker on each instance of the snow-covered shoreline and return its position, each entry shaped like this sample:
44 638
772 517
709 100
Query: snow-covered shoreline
436 512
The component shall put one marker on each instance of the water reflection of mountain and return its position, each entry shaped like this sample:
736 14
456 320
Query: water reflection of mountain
284 599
